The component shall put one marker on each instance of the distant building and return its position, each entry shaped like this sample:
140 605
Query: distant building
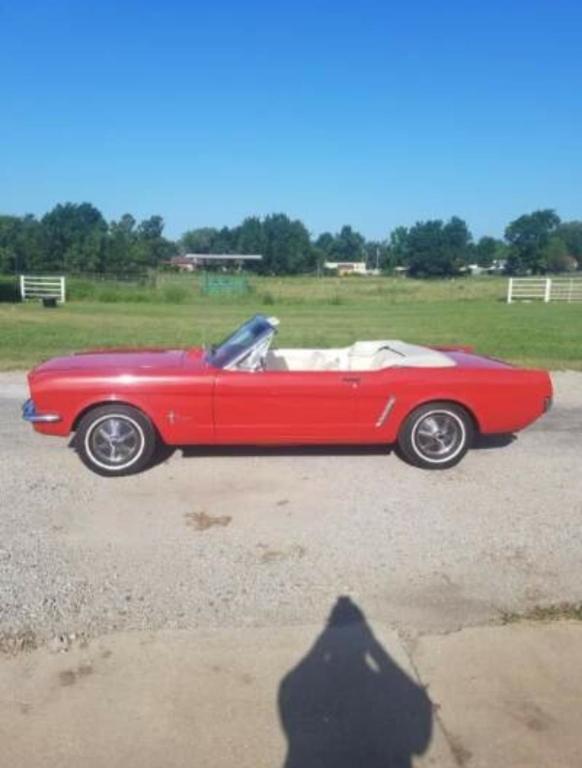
497 267
190 262
350 268
181 263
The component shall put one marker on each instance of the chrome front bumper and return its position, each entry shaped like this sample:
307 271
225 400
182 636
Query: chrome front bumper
29 413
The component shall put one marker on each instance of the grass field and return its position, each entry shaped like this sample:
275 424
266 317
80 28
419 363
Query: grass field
313 312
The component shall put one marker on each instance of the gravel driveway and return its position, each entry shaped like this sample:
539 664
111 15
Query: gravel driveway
261 538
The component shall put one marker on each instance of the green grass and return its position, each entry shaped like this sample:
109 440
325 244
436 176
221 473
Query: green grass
313 312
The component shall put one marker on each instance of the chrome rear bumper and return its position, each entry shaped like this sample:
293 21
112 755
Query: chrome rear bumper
30 414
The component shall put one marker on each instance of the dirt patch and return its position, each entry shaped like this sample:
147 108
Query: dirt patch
67 677
70 676
84 670
201 521
461 754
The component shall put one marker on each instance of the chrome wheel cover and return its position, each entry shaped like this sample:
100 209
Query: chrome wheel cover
438 436
115 442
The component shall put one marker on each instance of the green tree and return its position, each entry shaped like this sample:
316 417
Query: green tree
288 248
457 242
557 256
397 249
485 251
325 243
348 245
435 249
377 255
122 254
152 248
225 241
250 239
528 237
74 238
21 247
320 250
199 240
570 232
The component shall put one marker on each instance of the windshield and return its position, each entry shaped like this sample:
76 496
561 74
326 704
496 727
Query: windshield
236 346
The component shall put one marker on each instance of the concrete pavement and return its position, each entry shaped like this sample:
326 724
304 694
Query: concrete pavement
335 696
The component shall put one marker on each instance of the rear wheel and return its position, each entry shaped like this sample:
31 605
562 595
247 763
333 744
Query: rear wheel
436 435
114 440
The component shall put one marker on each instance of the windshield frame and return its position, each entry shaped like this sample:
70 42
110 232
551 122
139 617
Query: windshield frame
240 343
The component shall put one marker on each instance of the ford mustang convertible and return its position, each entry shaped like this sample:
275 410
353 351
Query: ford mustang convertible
431 401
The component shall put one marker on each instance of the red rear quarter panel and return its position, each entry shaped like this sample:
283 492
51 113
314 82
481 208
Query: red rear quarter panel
500 398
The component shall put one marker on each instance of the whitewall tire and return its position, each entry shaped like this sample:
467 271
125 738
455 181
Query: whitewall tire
115 440
436 435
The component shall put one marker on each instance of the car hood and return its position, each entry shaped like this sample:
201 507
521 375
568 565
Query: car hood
116 359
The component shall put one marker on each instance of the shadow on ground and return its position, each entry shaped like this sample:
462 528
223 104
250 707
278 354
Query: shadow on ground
347 704
164 452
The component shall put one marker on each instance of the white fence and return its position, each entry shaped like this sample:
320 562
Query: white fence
544 289
32 287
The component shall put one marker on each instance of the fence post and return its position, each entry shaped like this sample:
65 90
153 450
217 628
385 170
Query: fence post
22 291
62 289
510 291
548 291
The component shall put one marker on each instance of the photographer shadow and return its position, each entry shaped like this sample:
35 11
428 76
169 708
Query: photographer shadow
347 704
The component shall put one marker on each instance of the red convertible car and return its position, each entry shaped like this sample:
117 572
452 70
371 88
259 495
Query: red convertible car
121 404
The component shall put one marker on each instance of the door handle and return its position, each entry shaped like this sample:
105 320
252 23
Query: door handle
353 380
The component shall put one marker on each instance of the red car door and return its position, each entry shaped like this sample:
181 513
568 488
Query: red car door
384 398
377 393
286 407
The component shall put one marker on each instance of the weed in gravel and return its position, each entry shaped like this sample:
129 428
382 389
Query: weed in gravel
12 643
560 611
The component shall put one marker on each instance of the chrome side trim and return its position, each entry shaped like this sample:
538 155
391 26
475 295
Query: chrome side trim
386 411
29 414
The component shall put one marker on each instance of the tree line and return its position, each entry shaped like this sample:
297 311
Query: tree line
77 239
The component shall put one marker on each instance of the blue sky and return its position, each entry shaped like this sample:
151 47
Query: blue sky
369 113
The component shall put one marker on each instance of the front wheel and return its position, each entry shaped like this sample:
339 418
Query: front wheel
114 440
436 435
